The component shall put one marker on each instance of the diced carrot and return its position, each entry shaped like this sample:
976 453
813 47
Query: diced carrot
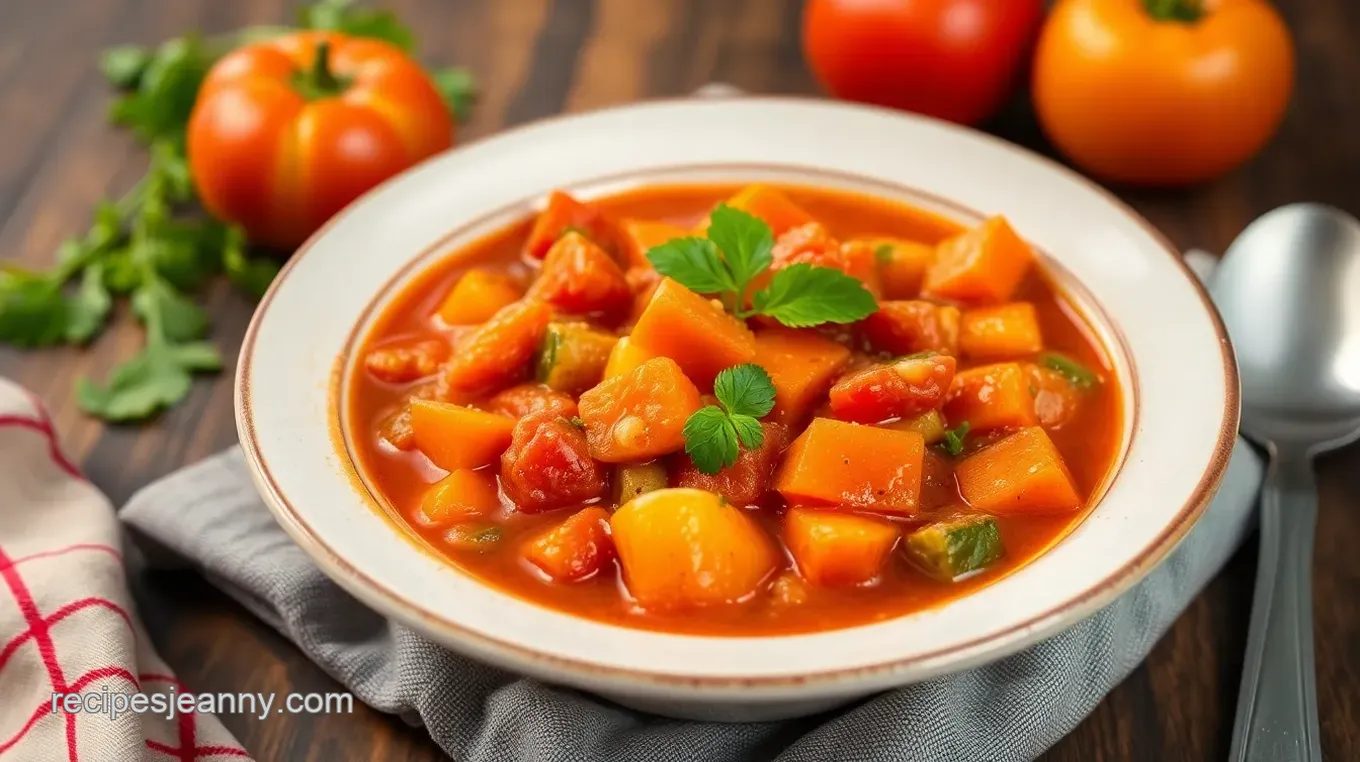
454 437
565 214
772 206
396 427
982 265
639 236
904 328
862 262
640 415
1056 398
625 356
406 361
579 278
837 549
574 550
838 463
901 265
906 388
694 332
683 548
745 481
1023 473
1003 332
991 397
548 465
497 353
802 365
528 399
477 296
463 494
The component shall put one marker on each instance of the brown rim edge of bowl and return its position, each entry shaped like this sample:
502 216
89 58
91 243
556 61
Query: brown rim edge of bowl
1095 596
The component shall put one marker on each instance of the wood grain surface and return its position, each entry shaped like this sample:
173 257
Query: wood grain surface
535 58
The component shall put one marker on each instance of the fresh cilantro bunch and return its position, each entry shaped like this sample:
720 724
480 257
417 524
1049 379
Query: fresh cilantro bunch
713 434
152 244
736 252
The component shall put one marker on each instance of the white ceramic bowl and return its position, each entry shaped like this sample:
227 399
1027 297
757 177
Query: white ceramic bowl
1169 349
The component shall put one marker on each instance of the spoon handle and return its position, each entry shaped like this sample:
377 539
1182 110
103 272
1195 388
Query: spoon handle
1277 718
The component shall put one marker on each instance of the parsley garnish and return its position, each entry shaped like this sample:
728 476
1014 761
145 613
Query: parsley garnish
1076 373
953 438
715 435
737 251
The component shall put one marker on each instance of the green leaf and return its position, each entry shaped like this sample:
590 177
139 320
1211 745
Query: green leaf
124 65
121 274
803 295
32 310
745 390
694 263
170 166
151 380
745 241
458 89
167 314
749 431
197 356
252 276
953 438
88 310
1076 373
165 94
711 440
341 16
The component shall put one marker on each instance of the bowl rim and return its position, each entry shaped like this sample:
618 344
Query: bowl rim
1038 626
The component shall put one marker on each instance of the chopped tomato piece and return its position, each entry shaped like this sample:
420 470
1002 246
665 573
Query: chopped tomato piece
477 296
802 365
640 415
904 328
454 437
497 353
1021 474
838 549
460 496
991 397
564 214
579 278
576 549
1056 399
548 465
901 265
983 265
685 548
812 244
528 399
772 206
743 482
1003 332
640 236
643 281
909 387
406 361
625 356
861 467
694 332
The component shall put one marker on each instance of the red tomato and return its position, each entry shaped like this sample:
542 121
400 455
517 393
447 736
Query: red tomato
954 59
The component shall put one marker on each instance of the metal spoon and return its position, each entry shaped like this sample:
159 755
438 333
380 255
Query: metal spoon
1289 292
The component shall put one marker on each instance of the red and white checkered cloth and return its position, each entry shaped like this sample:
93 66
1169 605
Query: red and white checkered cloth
67 622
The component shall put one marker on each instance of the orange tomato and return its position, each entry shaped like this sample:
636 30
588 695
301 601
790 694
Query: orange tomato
1162 92
288 131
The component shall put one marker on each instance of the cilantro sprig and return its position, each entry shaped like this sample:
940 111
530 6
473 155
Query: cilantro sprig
953 438
715 435
152 244
737 251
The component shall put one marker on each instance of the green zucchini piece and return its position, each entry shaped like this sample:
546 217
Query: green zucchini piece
929 425
473 538
954 547
572 357
639 478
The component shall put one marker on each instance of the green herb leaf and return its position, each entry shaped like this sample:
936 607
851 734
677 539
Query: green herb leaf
694 263
953 438
165 94
89 309
577 421
252 276
341 16
168 314
151 380
749 431
32 310
711 440
458 89
197 356
744 240
124 65
1076 373
745 390
802 295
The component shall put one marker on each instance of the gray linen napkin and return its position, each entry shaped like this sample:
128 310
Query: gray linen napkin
210 515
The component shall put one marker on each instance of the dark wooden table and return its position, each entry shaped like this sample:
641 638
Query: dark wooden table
538 57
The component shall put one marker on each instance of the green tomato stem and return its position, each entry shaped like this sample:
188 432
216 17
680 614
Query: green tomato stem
1175 10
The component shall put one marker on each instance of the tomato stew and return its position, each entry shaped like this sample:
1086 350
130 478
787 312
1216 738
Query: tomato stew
869 410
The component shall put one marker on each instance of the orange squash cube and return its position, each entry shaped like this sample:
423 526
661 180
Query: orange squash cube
861 467
902 266
640 236
983 265
455 437
776 209
1003 332
640 415
462 495
625 356
991 397
1021 474
574 550
476 297
694 332
837 549
802 366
